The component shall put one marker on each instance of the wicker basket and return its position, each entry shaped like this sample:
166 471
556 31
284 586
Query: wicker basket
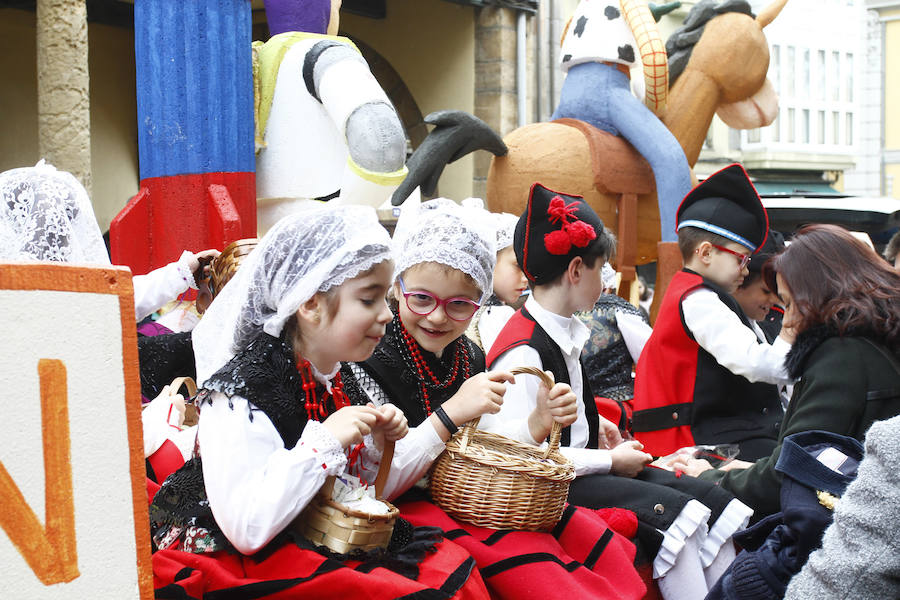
341 529
224 266
492 481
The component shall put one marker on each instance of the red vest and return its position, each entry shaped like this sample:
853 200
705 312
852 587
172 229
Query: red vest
683 396
522 330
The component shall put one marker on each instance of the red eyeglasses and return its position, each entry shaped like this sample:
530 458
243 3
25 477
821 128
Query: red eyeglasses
424 303
744 259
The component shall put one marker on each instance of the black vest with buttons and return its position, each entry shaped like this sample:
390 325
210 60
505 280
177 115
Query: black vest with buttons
728 408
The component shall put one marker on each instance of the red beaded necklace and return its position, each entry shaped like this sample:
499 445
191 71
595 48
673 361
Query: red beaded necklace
315 407
460 357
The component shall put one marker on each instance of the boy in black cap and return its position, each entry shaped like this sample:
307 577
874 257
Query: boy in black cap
561 245
693 381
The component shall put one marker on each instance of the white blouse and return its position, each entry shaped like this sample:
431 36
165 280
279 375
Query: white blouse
255 485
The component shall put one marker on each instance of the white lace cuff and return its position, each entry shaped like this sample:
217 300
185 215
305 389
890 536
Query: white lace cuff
316 437
692 517
184 270
734 518
371 455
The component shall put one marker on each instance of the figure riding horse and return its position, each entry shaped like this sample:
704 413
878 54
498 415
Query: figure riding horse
717 65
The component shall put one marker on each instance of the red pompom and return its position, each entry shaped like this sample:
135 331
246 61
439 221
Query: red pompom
557 209
624 522
581 233
557 242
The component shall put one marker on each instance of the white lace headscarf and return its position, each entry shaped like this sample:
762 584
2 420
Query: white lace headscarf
304 253
45 214
608 276
444 232
505 223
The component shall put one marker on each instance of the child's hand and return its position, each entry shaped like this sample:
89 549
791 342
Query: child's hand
691 466
556 404
350 424
609 434
628 460
391 425
480 394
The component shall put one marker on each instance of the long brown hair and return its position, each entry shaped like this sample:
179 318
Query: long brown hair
838 281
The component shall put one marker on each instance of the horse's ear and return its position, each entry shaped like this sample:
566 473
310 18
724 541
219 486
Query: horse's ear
565 29
768 14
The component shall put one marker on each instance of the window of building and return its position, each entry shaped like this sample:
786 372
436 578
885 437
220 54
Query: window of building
753 136
790 126
820 128
775 128
804 127
848 129
820 75
849 73
790 72
805 92
835 128
836 79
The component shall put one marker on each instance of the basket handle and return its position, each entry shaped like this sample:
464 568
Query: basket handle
384 468
556 428
187 382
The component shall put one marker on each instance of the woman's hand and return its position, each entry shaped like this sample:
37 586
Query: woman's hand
478 395
391 425
559 404
628 458
691 466
350 424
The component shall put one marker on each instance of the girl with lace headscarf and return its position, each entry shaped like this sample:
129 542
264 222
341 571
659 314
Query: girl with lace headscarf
275 423
444 262
509 285
46 215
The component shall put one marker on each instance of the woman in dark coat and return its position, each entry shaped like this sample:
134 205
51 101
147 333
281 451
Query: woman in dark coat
842 300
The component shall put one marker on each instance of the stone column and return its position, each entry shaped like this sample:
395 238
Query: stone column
495 79
64 121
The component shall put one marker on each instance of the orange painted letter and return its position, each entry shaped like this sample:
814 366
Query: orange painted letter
50 550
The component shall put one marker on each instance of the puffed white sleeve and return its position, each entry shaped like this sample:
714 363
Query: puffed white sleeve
413 454
518 403
255 485
720 332
162 285
520 398
635 332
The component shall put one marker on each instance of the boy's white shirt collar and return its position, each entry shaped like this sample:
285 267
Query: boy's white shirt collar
569 333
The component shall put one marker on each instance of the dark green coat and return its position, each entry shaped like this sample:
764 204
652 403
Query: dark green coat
846 383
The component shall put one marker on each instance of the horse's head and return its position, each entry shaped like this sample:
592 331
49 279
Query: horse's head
732 51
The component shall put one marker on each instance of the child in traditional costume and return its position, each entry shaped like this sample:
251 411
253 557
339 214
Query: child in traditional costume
705 377
275 423
444 262
508 287
684 529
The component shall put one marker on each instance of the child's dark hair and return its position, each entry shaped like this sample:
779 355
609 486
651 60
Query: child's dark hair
604 247
691 237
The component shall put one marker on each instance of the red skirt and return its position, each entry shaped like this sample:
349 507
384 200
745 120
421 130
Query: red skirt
293 572
582 558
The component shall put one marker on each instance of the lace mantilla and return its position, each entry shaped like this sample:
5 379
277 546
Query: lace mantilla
444 232
310 251
47 215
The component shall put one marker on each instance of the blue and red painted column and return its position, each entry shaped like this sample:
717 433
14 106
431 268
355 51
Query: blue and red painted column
195 132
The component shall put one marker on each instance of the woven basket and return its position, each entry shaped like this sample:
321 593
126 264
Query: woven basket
341 529
492 481
224 266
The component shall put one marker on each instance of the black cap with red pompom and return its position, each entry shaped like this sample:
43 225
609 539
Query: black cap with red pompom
554 229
